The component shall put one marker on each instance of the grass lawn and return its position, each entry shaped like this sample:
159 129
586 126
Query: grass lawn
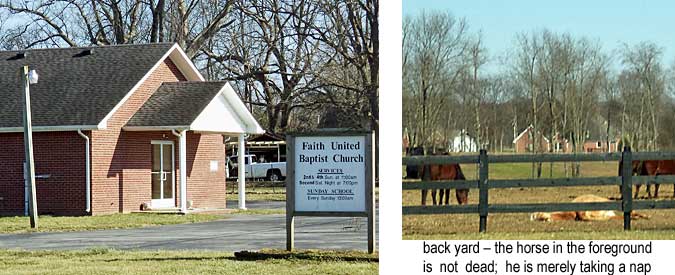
661 225
105 261
256 193
114 221
273 211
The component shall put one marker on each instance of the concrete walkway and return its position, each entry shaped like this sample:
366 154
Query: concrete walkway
240 232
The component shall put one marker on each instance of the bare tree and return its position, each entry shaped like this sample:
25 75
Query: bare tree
435 49
642 62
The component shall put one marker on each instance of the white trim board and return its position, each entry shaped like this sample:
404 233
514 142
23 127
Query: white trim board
178 57
51 128
226 113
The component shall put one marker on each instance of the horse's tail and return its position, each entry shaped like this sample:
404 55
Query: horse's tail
460 174
620 168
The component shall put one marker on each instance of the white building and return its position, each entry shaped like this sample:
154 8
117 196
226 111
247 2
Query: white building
463 143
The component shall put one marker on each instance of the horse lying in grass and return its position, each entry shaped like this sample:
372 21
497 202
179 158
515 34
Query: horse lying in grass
590 215
650 168
445 172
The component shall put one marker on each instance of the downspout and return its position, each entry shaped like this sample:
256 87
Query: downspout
88 170
182 163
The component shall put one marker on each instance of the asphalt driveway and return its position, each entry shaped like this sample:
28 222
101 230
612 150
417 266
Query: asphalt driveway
240 232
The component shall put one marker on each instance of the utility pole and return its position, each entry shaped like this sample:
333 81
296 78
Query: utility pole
28 77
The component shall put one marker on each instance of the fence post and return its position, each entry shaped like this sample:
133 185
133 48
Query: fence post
426 170
626 186
483 189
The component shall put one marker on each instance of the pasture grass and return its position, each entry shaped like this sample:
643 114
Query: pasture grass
661 225
109 261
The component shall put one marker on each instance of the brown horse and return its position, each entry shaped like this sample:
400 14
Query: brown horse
445 172
656 168
651 168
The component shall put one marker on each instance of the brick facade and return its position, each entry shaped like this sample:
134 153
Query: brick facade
121 163
57 154
524 143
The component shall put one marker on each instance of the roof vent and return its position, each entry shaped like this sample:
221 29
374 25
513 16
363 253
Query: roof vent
85 52
20 55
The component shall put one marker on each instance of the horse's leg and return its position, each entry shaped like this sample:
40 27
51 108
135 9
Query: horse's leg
424 196
447 196
656 190
637 191
649 190
440 196
433 196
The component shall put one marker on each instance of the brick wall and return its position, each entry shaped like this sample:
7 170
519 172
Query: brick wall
205 188
524 143
110 154
59 154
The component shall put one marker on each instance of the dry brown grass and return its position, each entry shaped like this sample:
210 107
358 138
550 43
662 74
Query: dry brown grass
518 226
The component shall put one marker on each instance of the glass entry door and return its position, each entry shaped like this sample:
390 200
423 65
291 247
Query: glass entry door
163 180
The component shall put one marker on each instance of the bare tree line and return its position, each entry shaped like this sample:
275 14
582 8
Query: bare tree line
565 87
290 60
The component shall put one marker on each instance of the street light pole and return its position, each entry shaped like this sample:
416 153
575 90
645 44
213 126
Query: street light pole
28 144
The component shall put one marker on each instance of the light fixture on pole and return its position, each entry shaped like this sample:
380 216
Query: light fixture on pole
29 77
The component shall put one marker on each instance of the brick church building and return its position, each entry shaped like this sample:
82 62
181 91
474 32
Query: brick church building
154 129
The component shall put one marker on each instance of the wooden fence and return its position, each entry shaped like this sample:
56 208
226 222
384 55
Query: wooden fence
484 184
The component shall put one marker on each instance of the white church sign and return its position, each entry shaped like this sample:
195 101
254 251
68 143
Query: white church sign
330 174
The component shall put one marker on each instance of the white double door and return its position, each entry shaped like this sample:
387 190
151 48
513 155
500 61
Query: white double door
163 179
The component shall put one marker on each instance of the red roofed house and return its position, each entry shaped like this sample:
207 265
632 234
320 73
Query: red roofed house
153 127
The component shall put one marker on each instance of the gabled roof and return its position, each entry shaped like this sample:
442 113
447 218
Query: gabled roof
76 89
196 106
175 104
529 128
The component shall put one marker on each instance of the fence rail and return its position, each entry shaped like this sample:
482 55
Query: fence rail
484 184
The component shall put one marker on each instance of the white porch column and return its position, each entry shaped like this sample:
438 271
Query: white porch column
241 175
182 162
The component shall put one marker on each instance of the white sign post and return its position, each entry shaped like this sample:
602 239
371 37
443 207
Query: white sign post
330 174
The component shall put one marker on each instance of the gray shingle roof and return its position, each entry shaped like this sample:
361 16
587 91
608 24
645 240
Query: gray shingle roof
73 89
176 103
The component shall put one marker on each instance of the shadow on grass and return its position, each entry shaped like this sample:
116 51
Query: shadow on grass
306 255
322 256
165 259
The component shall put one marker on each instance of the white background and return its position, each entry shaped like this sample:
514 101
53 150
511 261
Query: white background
405 257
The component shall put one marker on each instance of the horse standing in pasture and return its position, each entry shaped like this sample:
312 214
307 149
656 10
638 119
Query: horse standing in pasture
650 168
438 172
656 168
445 172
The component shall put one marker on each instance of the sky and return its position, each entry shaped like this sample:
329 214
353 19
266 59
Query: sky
611 23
